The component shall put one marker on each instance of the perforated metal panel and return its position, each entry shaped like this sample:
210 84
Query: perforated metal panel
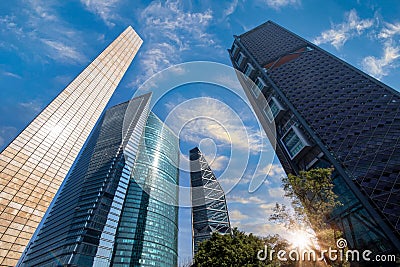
268 42
357 118
351 120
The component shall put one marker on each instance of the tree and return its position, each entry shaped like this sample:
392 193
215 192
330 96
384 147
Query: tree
313 200
238 249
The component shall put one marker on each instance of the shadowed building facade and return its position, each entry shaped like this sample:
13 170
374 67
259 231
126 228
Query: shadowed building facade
209 209
119 204
34 164
322 112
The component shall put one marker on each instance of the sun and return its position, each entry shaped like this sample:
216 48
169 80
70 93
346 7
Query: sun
301 239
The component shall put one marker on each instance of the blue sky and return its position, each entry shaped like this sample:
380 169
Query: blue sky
45 44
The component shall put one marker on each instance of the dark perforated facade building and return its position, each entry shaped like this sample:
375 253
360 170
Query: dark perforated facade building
322 112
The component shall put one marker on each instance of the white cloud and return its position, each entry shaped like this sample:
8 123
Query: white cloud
63 52
231 8
6 134
379 67
9 24
102 8
259 226
159 56
63 80
38 24
227 182
169 30
218 163
267 207
237 215
217 122
31 106
389 30
274 172
171 17
276 193
10 74
244 199
277 4
258 208
43 11
340 33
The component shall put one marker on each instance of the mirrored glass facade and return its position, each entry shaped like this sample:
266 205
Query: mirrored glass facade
34 164
209 209
111 210
331 115
81 226
147 233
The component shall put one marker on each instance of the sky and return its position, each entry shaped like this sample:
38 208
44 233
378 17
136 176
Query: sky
45 44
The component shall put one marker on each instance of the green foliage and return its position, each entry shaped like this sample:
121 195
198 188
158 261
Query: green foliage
312 193
312 197
238 249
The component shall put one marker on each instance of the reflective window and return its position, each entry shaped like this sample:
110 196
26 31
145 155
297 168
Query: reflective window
293 141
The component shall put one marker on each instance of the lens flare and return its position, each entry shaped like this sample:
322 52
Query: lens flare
301 239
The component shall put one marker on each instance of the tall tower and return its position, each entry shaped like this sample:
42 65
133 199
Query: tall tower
119 204
322 112
147 232
34 164
209 209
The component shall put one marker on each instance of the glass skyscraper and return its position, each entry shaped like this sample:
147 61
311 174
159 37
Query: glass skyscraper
119 205
34 164
322 112
209 209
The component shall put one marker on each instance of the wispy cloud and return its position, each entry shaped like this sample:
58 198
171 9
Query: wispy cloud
156 58
105 9
236 215
63 52
379 67
244 199
276 193
218 163
171 17
6 134
8 24
217 122
40 34
389 31
43 11
278 4
169 30
63 79
390 55
33 106
273 170
231 8
253 217
260 227
340 33
10 74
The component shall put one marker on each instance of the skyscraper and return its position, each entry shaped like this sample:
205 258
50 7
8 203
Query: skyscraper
322 112
209 210
147 233
119 204
34 164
